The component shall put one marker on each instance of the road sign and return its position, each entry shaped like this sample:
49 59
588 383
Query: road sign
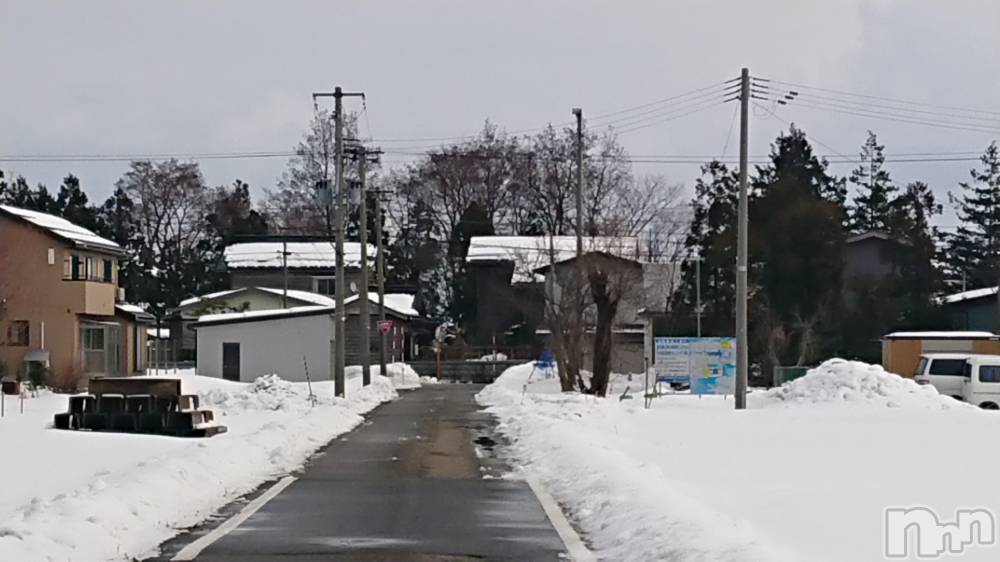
384 326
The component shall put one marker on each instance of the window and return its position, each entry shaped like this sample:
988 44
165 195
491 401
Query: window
947 367
108 270
18 333
324 285
91 273
989 373
922 366
51 257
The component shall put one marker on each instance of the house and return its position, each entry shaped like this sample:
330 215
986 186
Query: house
296 343
977 309
645 289
60 302
509 292
179 320
308 265
868 259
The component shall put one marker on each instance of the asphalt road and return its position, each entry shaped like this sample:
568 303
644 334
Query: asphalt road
407 486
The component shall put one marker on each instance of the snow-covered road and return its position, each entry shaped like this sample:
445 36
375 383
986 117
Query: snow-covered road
804 474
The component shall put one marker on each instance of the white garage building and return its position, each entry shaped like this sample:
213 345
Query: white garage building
242 346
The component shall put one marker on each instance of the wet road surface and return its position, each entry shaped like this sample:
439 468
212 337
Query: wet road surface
414 483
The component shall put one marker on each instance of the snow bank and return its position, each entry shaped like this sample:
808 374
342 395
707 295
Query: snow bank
805 474
106 496
854 382
403 376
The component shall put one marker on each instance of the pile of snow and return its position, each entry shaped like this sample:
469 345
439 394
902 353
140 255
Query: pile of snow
112 496
492 357
693 479
403 376
854 382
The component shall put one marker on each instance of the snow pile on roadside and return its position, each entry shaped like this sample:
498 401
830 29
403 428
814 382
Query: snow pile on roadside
854 382
403 376
659 484
107 496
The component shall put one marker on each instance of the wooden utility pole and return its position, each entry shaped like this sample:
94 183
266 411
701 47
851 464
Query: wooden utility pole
380 278
366 322
742 341
579 180
340 316
284 273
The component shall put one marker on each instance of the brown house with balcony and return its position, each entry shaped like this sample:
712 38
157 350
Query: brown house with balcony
59 301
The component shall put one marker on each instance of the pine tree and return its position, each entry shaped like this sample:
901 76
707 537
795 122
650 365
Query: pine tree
796 253
974 249
871 207
712 239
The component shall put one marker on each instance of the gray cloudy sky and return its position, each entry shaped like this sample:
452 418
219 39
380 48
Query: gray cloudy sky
103 77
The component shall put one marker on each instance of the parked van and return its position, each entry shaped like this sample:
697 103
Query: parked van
944 371
981 384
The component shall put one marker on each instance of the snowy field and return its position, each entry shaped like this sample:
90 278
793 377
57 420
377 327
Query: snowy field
804 474
81 497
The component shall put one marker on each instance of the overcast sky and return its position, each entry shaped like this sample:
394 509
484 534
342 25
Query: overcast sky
102 77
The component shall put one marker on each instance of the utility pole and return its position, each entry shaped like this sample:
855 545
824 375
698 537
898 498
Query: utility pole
366 322
578 112
340 316
742 364
284 273
697 291
380 279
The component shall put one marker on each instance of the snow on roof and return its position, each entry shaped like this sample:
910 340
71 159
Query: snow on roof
969 295
949 335
262 314
532 252
130 308
164 333
300 255
208 297
64 229
304 296
401 303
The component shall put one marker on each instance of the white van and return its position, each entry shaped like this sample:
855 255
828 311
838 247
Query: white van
981 384
944 371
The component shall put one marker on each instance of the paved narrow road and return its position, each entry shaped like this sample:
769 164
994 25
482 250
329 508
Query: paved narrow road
406 486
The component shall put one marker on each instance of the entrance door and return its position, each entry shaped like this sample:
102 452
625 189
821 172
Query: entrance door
231 361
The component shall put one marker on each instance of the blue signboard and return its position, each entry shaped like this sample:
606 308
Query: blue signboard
707 364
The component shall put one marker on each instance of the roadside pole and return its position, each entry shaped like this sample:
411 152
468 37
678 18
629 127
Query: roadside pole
380 277
366 322
339 201
741 251
579 181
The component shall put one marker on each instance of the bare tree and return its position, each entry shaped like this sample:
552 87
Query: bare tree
294 205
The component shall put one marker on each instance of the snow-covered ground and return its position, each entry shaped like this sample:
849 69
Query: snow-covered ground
804 474
80 496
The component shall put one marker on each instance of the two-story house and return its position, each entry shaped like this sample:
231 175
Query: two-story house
59 301
304 265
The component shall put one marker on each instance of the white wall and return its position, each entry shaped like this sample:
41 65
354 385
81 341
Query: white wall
267 347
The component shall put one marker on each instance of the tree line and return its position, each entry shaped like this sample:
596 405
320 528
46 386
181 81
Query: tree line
803 304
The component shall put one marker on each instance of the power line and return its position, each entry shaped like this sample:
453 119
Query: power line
883 98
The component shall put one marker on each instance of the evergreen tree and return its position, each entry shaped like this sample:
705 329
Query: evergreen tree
712 239
974 250
797 253
872 205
